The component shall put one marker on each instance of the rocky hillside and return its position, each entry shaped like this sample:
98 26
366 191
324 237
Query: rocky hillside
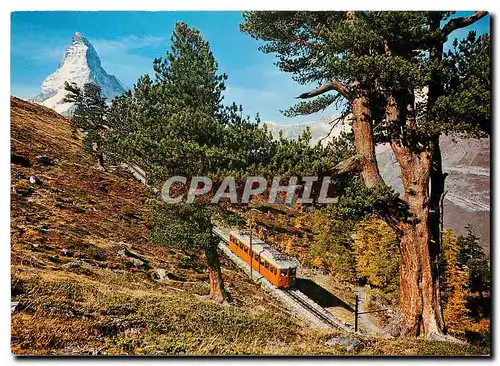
85 279
83 272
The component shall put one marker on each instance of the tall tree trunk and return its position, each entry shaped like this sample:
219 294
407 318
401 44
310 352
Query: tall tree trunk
363 133
437 178
217 290
419 300
419 277
364 143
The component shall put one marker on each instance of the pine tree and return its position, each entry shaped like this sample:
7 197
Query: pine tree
89 115
176 125
374 66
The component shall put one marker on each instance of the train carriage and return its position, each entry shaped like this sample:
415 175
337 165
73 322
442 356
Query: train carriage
276 267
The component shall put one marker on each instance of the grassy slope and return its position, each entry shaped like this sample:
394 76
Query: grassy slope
77 295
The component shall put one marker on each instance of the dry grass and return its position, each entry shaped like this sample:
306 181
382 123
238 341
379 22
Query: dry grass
77 295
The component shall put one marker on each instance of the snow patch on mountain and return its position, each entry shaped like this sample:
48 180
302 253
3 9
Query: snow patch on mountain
81 64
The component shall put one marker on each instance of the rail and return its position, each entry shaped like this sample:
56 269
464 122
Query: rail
305 303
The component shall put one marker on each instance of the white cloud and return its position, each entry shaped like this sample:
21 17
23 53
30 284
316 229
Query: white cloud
119 58
126 44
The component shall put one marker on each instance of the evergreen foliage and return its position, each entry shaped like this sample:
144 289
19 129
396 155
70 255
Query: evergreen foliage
176 124
401 88
89 115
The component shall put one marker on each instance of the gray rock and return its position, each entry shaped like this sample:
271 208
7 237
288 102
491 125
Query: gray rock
77 264
136 262
35 180
158 274
133 258
71 265
349 341
66 252
14 305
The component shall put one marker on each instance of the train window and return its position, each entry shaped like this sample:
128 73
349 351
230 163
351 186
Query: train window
273 270
266 265
262 261
284 272
256 257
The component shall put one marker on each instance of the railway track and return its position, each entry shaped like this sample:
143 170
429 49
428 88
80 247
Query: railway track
305 302
293 299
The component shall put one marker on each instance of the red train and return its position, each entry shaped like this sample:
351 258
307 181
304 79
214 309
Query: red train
276 267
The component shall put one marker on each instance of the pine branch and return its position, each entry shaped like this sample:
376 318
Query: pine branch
334 124
462 22
333 85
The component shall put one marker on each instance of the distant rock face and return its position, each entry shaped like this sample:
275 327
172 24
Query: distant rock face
320 130
81 64
467 201
467 162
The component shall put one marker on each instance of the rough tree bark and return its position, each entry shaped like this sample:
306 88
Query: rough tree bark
420 235
437 177
364 143
419 300
363 133
437 180
419 278
365 160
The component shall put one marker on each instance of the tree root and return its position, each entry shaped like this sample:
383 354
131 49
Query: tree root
441 337
396 329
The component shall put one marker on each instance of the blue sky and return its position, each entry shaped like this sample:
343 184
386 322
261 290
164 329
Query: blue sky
127 43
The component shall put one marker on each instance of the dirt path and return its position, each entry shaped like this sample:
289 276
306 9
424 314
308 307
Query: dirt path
364 319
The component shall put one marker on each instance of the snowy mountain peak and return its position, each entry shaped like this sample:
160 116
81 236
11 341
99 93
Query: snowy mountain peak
80 64
77 37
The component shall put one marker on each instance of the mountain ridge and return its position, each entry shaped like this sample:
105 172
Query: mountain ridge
80 64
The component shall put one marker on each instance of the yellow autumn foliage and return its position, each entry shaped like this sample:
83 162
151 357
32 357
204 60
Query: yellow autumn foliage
377 253
457 293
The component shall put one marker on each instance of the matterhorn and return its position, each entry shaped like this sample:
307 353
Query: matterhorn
80 65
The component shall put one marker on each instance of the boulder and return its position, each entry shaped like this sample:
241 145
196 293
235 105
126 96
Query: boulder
350 342
14 305
44 160
158 274
133 258
35 180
